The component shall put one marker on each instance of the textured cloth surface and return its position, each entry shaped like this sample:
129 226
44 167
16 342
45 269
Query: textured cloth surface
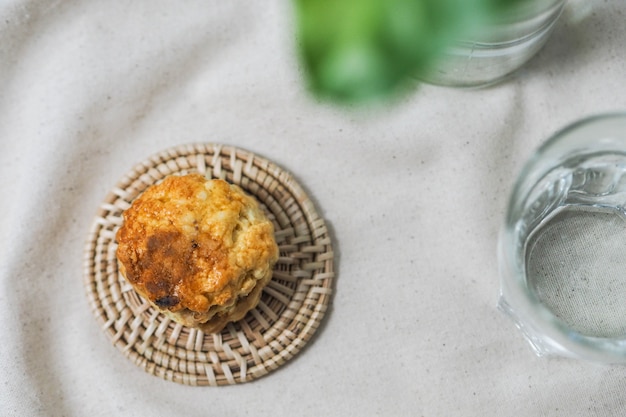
577 267
414 194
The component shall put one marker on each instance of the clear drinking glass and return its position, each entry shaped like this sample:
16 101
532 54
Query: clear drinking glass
562 249
497 47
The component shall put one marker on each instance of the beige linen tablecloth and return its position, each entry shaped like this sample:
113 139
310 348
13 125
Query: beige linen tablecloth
414 194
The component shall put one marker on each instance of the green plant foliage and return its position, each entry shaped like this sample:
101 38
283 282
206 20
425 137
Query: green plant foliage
358 50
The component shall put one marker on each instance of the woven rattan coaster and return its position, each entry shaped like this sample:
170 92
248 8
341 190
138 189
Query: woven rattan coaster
292 305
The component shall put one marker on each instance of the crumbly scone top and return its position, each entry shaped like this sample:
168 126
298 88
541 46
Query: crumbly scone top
192 243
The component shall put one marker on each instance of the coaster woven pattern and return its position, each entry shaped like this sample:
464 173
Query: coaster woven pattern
291 307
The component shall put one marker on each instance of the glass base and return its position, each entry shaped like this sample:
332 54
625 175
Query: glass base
540 345
494 54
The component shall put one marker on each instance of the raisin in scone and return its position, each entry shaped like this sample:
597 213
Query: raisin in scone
199 250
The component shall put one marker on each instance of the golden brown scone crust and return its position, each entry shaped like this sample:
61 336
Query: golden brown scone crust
199 250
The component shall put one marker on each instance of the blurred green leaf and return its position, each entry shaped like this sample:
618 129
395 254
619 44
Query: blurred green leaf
358 50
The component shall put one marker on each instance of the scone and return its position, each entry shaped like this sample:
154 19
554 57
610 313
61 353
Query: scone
199 250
